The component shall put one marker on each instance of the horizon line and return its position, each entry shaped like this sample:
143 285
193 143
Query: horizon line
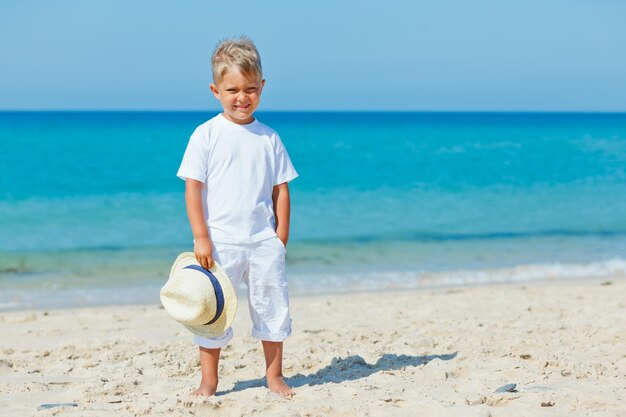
457 111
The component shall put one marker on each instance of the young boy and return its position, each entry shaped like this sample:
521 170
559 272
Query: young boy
236 171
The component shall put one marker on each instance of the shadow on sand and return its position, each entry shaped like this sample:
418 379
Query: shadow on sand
348 369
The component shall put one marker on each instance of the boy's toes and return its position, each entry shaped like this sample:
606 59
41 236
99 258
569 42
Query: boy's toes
286 392
205 391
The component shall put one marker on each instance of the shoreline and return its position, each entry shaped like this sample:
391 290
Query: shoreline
433 288
443 351
25 292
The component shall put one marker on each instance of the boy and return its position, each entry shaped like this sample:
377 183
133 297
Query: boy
236 171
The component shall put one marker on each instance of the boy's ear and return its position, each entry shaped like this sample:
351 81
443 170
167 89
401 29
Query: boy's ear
215 91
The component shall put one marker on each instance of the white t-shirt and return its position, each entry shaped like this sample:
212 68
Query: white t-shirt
239 166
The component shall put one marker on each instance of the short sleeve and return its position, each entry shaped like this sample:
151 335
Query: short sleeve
283 169
195 159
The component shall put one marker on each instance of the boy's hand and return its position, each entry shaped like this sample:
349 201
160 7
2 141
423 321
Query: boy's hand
203 250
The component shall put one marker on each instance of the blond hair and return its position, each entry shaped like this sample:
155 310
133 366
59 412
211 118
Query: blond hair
239 53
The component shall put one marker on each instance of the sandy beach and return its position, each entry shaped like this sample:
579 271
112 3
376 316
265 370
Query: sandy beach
439 352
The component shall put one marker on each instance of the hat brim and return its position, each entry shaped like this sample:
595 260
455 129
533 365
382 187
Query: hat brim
218 327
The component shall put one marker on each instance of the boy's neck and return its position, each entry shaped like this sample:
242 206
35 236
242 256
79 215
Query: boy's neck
226 116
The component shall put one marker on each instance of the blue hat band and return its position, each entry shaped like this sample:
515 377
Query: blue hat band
217 288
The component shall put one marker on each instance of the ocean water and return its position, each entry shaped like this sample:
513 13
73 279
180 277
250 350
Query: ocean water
91 211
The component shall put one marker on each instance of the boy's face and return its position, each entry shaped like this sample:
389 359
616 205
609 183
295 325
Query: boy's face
239 94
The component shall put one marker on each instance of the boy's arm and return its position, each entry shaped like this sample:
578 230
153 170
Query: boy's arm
203 246
280 197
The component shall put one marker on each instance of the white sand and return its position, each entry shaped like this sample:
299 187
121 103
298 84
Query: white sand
426 353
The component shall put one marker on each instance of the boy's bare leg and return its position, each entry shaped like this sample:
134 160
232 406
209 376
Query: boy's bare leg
274 368
209 359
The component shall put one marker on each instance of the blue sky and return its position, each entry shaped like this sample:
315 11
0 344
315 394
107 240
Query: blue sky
531 55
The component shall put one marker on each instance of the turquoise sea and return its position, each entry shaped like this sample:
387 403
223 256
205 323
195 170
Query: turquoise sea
91 211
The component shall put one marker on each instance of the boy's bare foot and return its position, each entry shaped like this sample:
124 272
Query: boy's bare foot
277 384
205 390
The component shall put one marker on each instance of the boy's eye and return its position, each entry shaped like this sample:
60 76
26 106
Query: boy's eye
231 90
251 89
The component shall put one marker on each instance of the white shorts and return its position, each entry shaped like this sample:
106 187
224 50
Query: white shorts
261 265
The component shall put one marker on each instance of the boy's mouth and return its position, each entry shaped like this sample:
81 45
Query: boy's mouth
242 107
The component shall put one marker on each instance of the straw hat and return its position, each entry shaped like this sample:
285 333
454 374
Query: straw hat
204 301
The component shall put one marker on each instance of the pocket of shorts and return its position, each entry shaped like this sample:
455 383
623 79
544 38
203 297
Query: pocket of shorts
281 244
